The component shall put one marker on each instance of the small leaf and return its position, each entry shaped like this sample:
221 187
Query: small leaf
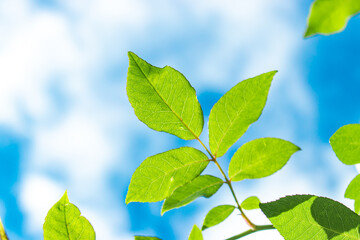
158 176
63 222
232 115
312 217
217 215
196 234
260 158
204 185
163 99
330 16
251 203
346 144
357 206
353 190
146 238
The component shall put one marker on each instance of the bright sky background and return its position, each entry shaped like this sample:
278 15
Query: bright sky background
65 122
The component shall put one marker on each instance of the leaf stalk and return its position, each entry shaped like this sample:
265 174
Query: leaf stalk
250 231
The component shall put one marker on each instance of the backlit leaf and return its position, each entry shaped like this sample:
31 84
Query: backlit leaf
232 115
63 222
330 16
217 215
346 144
312 217
251 203
163 99
158 176
146 238
357 206
260 158
202 186
196 234
353 190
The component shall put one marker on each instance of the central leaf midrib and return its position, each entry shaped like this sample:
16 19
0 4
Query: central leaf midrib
180 119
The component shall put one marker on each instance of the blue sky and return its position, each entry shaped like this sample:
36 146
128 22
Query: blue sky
65 122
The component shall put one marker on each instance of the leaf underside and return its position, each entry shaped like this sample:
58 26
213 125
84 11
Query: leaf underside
163 99
159 175
202 186
312 217
217 215
232 115
330 16
63 222
196 234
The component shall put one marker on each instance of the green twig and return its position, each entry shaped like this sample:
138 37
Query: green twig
3 235
250 231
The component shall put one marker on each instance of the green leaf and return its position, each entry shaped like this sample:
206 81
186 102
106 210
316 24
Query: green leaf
158 176
146 238
251 203
346 144
163 99
330 16
357 206
196 234
217 215
260 158
312 217
232 115
353 190
204 185
63 222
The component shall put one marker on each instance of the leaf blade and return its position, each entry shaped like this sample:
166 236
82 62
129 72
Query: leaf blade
163 99
260 158
345 142
307 216
251 203
146 238
159 175
64 222
330 16
202 186
195 233
217 215
228 122
353 189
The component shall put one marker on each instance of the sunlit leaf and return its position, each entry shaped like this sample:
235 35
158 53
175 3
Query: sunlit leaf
163 99
357 206
63 222
260 158
202 186
217 215
250 203
330 16
146 238
196 234
232 115
158 176
312 217
346 144
353 190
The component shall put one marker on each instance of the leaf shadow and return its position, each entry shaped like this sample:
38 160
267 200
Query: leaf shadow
333 217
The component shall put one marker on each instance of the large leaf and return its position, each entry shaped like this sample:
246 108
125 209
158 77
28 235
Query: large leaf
63 222
158 176
202 186
353 190
232 115
330 16
217 215
163 99
196 234
260 158
146 238
251 203
346 144
312 217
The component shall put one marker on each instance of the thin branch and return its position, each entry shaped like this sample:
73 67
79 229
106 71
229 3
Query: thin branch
3 235
250 231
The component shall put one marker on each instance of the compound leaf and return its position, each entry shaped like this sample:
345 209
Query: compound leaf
251 203
196 234
330 16
353 190
346 144
312 217
146 238
232 115
204 185
217 215
63 222
159 175
260 158
163 99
